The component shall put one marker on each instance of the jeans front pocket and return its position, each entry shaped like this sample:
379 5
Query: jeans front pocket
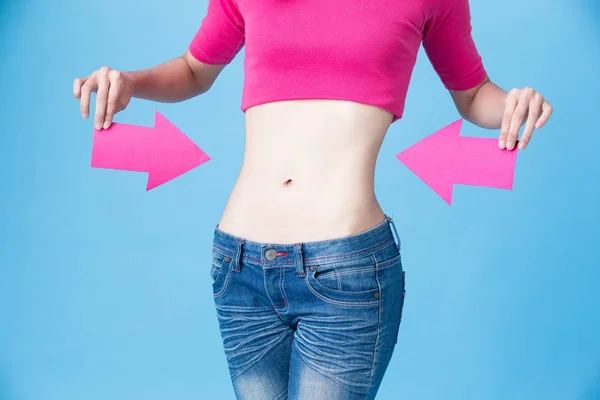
351 282
220 272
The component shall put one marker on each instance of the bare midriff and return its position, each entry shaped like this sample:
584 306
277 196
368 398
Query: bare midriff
308 172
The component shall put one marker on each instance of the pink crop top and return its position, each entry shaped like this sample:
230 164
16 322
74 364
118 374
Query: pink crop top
357 50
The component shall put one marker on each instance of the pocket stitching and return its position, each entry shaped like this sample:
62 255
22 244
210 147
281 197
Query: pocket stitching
390 261
224 264
316 286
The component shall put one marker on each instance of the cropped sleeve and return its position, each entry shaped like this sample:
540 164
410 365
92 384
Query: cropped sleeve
448 43
221 33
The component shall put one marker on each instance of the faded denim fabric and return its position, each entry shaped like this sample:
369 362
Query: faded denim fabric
309 321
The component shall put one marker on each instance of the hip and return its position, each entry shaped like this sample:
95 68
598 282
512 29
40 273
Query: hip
350 270
273 220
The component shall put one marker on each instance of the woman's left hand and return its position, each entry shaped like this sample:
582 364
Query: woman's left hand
522 106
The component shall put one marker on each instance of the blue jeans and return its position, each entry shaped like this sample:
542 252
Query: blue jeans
308 321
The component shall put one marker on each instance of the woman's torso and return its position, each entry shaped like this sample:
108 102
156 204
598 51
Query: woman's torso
308 172
358 54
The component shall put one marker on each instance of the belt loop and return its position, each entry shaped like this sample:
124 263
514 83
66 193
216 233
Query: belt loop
237 264
299 259
395 232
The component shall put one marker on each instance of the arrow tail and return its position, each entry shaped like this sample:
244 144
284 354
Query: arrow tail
482 163
122 147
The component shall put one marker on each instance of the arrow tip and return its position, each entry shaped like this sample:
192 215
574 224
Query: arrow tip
178 154
427 159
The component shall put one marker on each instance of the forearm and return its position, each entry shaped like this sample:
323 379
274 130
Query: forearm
169 82
486 109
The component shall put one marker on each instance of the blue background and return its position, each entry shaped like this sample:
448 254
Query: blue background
104 288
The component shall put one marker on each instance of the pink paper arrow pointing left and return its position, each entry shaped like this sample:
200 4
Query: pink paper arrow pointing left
163 151
444 159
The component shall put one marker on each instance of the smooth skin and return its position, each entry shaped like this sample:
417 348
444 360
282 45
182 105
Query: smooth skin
308 168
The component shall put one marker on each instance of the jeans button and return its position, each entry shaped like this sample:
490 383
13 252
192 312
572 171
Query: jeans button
270 254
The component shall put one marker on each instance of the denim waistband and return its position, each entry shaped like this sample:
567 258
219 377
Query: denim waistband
306 253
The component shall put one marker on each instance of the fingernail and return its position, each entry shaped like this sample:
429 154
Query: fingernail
510 145
501 144
521 145
98 125
106 125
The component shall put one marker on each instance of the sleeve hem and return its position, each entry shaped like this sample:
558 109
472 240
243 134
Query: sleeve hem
198 55
468 83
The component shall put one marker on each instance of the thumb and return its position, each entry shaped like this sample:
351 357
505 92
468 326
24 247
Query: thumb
77 84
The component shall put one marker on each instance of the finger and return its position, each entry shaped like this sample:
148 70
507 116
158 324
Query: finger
77 83
546 113
535 109
86 91
113 98
518 118
511 102
101 98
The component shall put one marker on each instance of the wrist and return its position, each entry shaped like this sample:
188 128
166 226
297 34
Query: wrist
135 82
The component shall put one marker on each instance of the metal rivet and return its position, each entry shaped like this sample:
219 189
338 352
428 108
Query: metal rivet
376 295
271 254
313 268
227 259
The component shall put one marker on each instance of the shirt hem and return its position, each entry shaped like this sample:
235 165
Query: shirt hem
397 114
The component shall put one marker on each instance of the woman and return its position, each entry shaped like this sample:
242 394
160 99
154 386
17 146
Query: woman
307 278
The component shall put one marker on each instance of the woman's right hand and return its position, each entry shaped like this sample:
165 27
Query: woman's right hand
114 90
